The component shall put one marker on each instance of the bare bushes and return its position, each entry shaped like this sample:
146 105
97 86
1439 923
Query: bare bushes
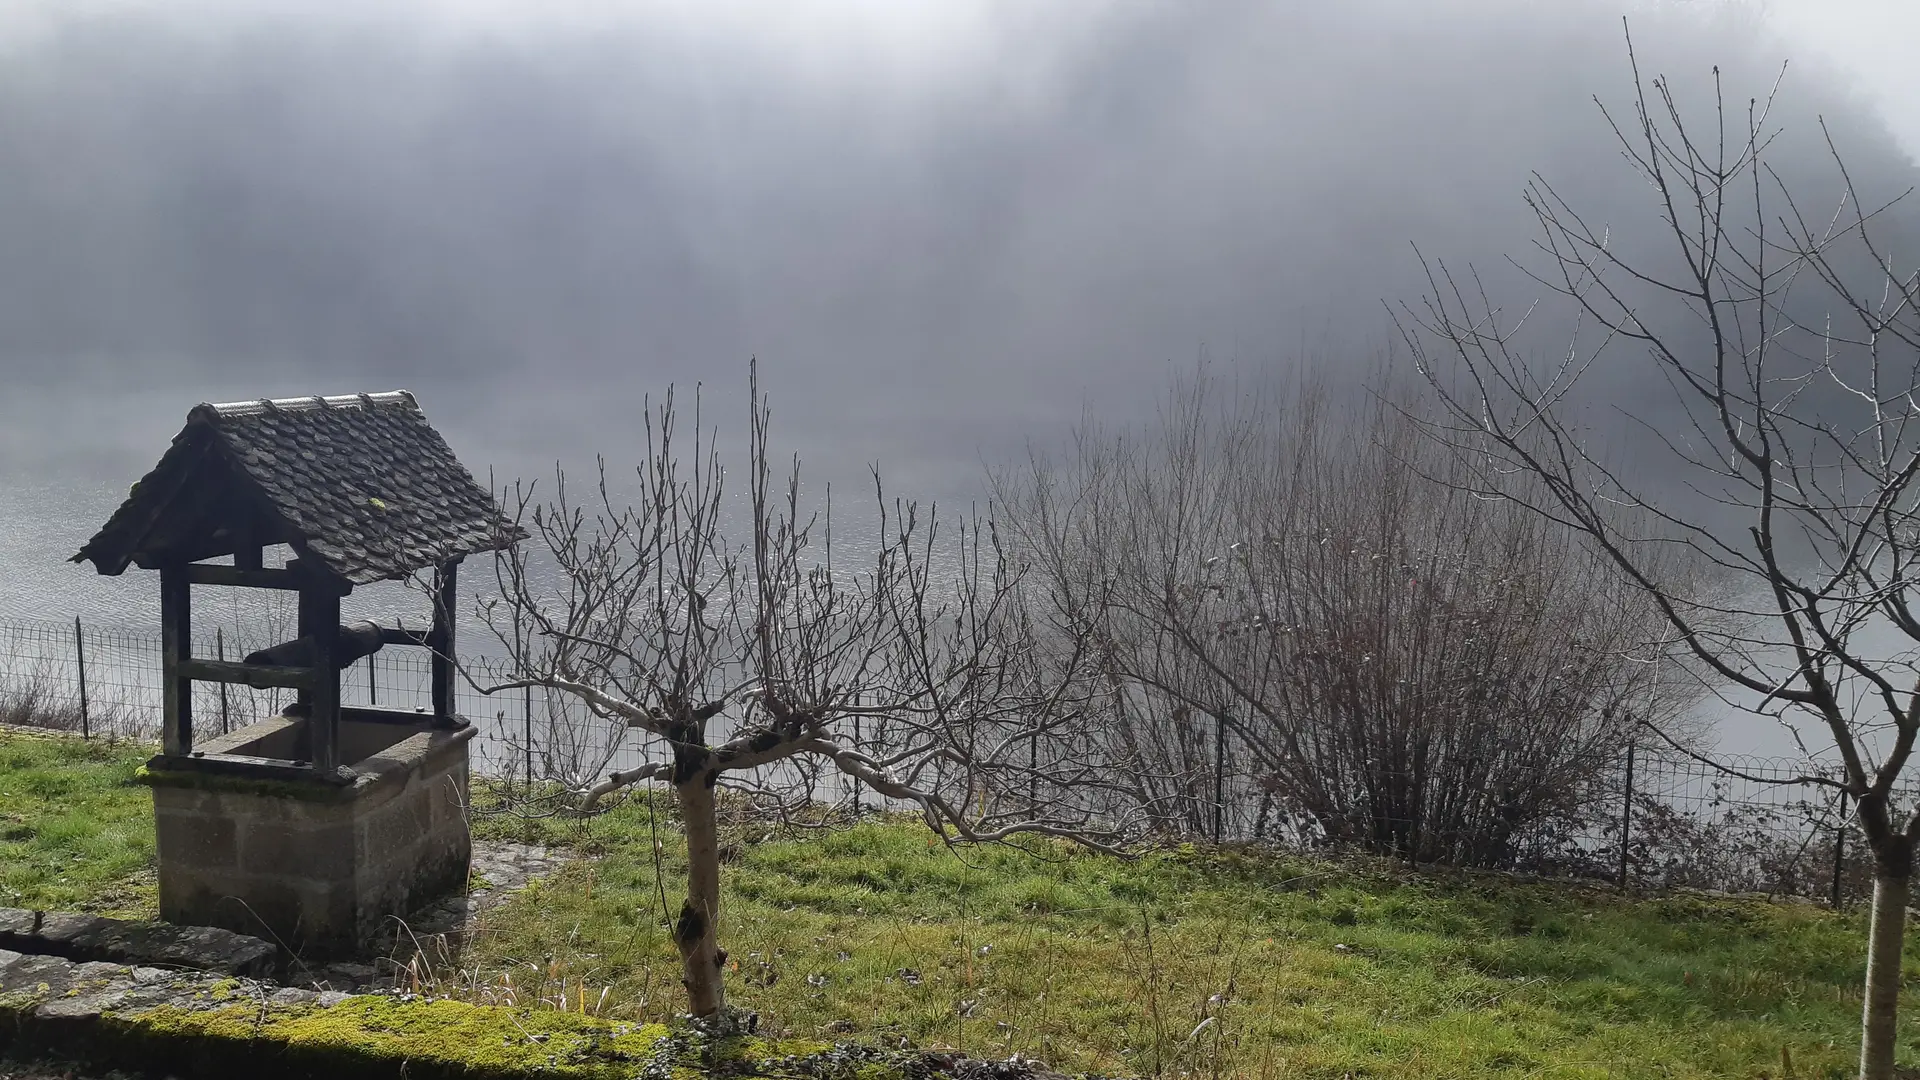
1395 660
41 694
39 701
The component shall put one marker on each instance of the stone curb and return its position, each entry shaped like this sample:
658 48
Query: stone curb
200 1024
154 1021
144 943
51 1003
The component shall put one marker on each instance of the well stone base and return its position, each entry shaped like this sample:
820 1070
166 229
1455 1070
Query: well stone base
323 869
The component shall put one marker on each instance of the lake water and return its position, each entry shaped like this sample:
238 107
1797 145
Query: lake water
46 517
47 513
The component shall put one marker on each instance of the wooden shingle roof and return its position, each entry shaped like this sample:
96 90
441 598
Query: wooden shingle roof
360 484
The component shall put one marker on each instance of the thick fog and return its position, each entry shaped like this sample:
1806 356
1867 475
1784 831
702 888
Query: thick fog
940 234
944 230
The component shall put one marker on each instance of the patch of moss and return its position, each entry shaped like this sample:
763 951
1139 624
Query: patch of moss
367 1037
370 1035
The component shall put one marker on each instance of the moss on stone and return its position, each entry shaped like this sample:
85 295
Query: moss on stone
376 1036
382 1036
433 1038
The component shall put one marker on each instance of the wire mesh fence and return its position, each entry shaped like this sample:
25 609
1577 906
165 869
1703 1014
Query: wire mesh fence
106 682
1653 818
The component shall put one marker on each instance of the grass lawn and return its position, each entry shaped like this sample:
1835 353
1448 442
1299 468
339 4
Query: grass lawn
1185 961
76 831
1197 962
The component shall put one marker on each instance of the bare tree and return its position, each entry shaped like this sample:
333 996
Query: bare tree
1784 349
1397 663
748 648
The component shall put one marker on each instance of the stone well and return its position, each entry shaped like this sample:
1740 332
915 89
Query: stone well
321 828
321 868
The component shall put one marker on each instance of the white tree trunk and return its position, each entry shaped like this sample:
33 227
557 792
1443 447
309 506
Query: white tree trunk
1880 1019
697 934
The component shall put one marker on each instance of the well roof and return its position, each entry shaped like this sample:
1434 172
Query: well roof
360 484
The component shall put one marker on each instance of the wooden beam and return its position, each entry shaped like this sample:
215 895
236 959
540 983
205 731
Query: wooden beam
258 676
316 575
185 553
320 620
248 552
176 649
401 717
446 597
215 574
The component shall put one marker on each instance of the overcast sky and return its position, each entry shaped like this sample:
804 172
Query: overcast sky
1868 43
943 227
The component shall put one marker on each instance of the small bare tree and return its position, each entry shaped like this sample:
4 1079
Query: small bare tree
1784 349
1399 664
749 647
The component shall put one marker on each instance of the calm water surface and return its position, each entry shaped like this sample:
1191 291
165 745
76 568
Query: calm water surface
46 517
47 514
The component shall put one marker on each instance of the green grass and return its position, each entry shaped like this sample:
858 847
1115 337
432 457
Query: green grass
1085 962
76 831
1089 963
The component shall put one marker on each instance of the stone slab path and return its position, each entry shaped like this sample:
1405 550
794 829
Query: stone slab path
117 941
499 870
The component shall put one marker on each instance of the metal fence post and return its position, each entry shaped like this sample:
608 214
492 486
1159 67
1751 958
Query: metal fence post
1033 769
1626 818
858 748
220 653
80 655
1839 850
526 714
373 691
1219 776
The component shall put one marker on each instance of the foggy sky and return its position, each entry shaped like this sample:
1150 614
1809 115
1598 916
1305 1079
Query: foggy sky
941 235
943 228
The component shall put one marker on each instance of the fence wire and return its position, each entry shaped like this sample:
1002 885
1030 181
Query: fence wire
1653 818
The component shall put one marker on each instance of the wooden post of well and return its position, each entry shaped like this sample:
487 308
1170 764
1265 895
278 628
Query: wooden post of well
446 591
320 621
176 645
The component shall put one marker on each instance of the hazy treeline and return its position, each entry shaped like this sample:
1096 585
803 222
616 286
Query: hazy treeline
1302 580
